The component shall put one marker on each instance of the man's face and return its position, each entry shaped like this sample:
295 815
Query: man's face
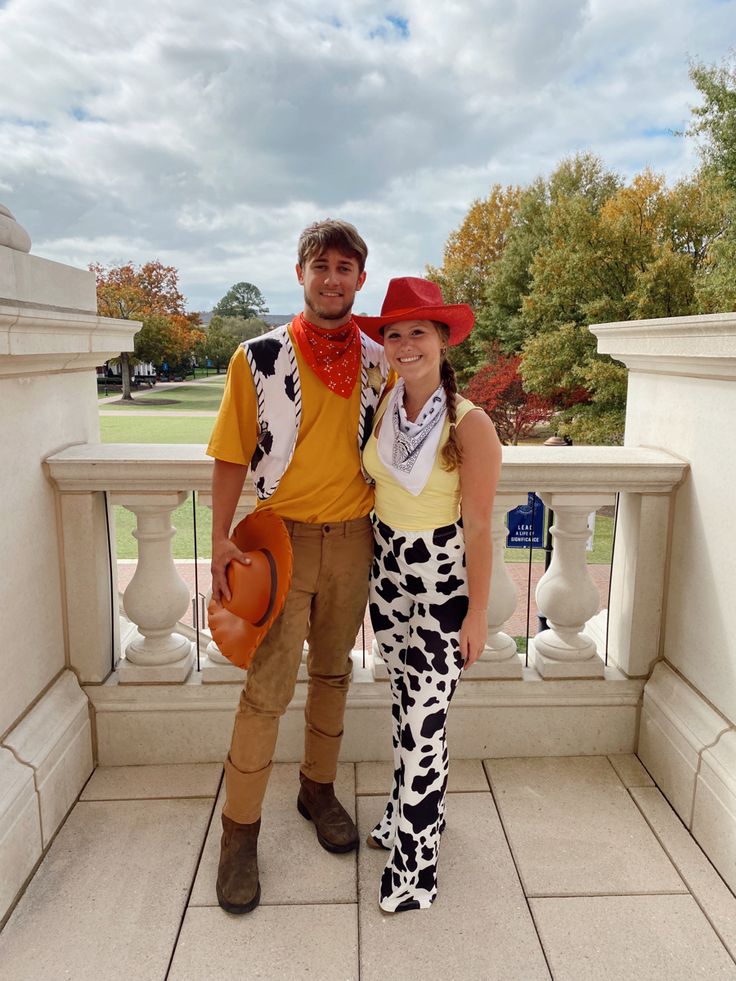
330 282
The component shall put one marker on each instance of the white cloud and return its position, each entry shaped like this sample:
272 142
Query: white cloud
209 135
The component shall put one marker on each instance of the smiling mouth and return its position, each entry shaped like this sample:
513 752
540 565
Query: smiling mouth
331 293
410 360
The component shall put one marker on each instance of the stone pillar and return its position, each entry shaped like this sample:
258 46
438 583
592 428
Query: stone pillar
91 585
566 594
157 597
500 658
638 582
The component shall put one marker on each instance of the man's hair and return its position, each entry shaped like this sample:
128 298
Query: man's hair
332 234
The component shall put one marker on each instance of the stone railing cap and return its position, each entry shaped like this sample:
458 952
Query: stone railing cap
163 468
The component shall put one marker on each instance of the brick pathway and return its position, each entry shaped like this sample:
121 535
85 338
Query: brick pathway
518 571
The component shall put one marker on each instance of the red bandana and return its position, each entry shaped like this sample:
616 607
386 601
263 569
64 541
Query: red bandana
333 355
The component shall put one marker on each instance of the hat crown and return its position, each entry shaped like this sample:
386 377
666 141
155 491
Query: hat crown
410 293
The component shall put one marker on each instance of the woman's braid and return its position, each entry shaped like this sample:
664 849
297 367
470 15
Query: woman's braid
451 455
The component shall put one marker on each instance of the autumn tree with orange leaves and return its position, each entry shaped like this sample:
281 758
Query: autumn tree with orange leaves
584 246
149 293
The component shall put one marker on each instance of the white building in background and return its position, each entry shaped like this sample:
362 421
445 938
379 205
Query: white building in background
83 684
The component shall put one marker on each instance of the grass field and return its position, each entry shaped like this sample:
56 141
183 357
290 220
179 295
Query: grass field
149 429
178 398
183 542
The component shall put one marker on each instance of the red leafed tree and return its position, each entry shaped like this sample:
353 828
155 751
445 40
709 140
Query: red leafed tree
497 388
149 293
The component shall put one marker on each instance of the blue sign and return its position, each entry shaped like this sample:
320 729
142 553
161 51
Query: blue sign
526 525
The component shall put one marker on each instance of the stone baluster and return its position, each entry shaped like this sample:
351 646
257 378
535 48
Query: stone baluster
156 597
500 658
566 594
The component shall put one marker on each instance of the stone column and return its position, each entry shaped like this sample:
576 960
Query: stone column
157 597
566 594
500 658
638 582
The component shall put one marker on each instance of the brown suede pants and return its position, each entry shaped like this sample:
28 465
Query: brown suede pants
325 606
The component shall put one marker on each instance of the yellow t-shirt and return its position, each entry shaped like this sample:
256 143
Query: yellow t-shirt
439 502
323 483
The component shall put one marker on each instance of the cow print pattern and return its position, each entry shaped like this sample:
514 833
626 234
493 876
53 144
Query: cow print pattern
418 600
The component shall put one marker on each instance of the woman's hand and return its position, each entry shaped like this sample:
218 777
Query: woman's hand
223 553
473 633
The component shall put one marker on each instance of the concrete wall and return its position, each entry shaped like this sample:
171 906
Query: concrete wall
41 414
694 418
50 342
682 398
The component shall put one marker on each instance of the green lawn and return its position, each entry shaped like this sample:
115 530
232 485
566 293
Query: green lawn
178 398
149 429
182 544
602 542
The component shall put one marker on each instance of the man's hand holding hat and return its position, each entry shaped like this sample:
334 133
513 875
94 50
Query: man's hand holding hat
224 552
251 590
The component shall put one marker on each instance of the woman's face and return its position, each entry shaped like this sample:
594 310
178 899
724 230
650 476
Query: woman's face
414 350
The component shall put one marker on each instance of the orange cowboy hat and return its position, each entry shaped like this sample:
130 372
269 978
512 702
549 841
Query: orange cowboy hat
257 591
411 298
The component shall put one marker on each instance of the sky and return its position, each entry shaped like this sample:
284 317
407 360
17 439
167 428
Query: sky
207 135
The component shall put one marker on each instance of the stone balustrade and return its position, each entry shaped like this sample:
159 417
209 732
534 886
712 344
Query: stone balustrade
151 480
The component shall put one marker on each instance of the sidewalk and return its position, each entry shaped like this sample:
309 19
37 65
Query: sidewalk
567 868
162 386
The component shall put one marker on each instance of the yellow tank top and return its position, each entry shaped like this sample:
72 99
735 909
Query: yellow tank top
439 502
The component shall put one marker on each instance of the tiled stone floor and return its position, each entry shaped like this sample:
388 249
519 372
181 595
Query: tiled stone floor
565 868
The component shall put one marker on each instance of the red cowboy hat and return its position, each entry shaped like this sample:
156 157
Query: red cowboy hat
411 298
257 591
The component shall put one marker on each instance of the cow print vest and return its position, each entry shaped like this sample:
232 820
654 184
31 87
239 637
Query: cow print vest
275 373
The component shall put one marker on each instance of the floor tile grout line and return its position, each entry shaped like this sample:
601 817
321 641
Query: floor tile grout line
270 905
385 793
357 864
516 868
626 785
117 800
194 877
687 831
606 895
700 905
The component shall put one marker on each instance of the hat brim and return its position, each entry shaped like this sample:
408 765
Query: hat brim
459 318
236 637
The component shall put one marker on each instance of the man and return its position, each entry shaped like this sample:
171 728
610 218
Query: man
298 406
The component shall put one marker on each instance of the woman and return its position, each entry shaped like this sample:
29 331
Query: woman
432 456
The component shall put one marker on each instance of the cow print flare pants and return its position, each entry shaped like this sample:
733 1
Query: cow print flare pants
418 600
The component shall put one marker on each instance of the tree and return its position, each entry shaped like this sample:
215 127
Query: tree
220 343
582 246
224 334
242 300
149 293
637 256
497 388
715 119
471 249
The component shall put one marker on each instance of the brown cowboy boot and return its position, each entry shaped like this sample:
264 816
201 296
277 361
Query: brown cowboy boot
238 888
335 828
